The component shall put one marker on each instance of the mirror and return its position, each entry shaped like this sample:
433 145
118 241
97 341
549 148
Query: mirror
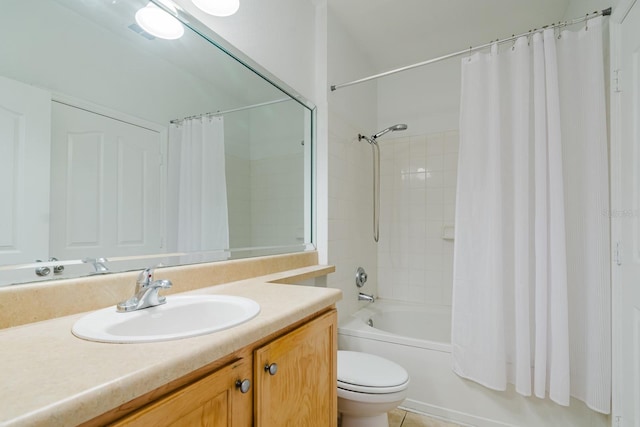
120 150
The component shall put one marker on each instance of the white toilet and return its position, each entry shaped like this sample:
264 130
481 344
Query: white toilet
369 386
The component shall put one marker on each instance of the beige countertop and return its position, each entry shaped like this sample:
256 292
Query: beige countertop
50 377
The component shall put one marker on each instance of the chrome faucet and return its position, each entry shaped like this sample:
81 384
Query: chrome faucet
146 293
98 265
366 297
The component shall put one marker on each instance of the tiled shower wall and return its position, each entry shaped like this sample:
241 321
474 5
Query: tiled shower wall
238 174
277 200
265 177
350 217
417 207
266 198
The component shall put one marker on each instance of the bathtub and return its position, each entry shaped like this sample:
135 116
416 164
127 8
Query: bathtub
418 337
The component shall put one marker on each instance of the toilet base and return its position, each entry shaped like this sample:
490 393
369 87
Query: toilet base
380 420
367 410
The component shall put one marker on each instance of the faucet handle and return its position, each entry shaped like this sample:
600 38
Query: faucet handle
145 277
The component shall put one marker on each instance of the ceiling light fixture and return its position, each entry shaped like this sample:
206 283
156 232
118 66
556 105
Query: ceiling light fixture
218 7
158 22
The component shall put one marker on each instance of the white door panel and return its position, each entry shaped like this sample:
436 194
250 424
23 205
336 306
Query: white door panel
106 186
84 189
25 127
138 193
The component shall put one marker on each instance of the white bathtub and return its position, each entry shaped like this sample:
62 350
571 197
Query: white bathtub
417 337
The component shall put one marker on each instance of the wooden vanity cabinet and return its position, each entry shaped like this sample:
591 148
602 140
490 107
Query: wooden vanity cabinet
301 391
213 401
295 377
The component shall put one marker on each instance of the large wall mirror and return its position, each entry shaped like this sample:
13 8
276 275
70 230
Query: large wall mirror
121 150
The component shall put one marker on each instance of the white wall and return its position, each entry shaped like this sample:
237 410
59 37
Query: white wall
577 8
350 221
427 99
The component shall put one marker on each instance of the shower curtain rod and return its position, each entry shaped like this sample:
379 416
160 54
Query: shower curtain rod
604 12
233 110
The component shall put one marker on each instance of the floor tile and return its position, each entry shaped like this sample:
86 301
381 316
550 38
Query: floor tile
415 420
396 417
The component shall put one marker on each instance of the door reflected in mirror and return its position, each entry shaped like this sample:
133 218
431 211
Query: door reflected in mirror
136 150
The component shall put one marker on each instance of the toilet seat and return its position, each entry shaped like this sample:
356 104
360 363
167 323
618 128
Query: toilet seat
368 373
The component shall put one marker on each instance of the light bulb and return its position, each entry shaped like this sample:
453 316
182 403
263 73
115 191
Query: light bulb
159 23
218 7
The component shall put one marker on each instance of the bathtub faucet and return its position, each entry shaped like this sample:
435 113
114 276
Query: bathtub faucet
366 297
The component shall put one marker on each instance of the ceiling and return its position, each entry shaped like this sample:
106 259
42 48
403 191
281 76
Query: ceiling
395 33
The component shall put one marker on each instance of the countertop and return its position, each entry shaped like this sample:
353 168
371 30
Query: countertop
50 377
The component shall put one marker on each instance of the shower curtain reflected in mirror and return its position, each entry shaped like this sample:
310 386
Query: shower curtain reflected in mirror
202 213
531 302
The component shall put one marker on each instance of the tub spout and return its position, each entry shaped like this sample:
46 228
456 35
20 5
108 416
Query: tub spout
366 297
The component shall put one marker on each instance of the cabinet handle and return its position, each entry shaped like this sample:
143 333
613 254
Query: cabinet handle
243 385
271 368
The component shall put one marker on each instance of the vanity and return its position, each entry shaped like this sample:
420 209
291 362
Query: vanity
278 368
274 378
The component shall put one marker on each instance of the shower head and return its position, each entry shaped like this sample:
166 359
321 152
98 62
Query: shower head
390 129
373 138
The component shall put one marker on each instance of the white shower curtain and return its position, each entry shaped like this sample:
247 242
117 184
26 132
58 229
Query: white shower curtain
203 223
531 300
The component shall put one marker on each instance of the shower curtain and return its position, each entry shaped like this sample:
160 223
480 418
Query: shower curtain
531 299
203 223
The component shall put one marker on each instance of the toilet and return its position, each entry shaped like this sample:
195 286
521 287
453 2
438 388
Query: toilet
369 386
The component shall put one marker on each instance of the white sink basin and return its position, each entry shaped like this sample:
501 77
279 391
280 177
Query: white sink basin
180 317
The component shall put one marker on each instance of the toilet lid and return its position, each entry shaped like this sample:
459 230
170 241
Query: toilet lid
369 373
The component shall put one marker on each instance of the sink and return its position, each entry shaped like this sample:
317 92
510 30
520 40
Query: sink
181 317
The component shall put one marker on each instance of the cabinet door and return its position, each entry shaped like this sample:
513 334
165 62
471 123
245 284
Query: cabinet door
302 392
214 401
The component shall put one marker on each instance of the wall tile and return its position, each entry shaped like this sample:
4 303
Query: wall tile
418 293
418 180
449 212
414 262
449 178
435 162
435 179
350 225
451 141
401 292
448 195
402 156
450 161
435 144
